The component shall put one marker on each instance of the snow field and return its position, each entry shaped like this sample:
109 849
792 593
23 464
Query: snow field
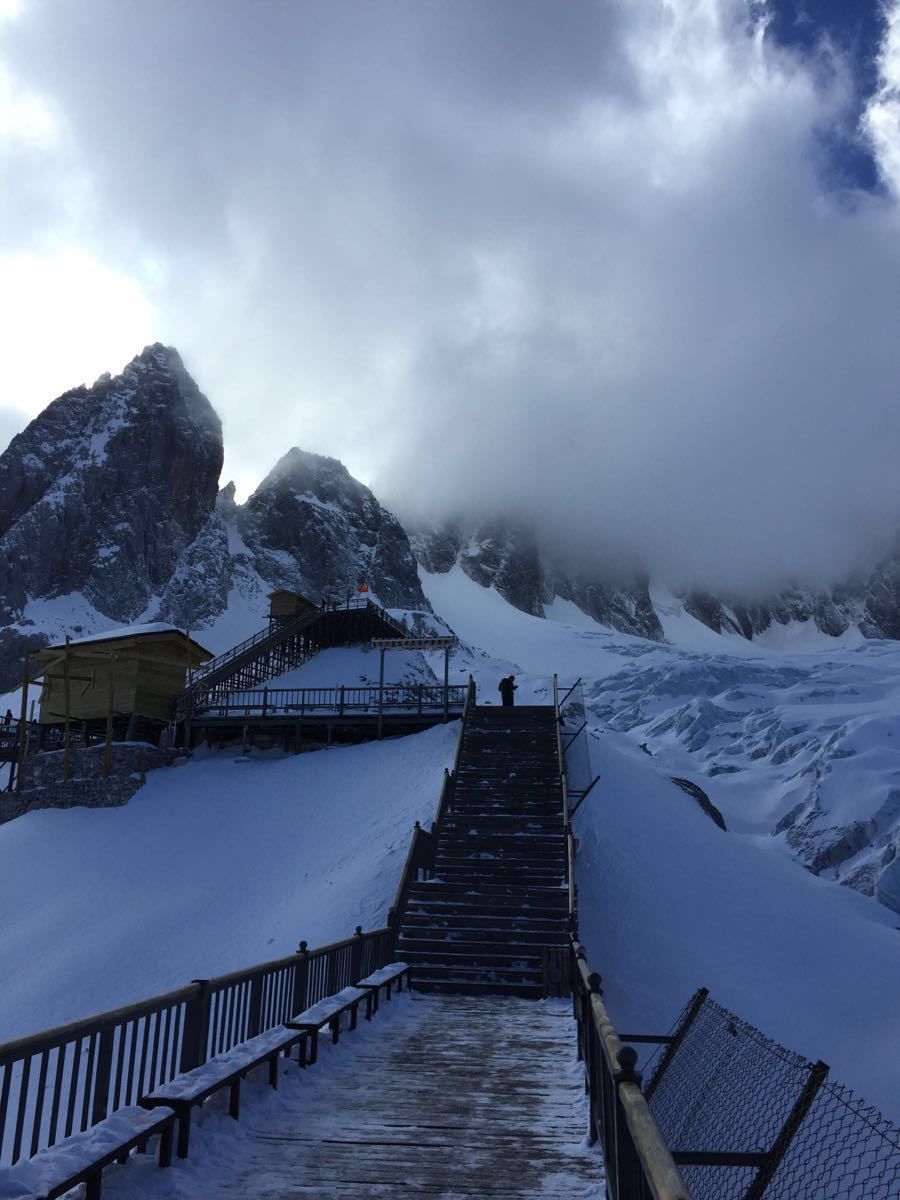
212 866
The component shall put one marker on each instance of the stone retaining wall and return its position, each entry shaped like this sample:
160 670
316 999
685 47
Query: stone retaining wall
43 785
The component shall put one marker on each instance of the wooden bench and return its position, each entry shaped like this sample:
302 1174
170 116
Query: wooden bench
385 978
82 1157
189 1090
329 1012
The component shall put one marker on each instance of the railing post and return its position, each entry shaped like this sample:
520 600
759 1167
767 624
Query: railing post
817 1075
341 701
265 700
356 956
301 978
332 972
102 1075
254 1011
628 1171
196 1028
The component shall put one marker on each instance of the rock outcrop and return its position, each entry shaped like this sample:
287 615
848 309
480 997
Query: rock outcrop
310 525
102 493
110 514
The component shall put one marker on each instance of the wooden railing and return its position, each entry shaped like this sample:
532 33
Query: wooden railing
420 857
339 701
64 1080
639 1164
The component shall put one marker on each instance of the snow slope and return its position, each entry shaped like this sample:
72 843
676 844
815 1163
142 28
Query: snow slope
212 866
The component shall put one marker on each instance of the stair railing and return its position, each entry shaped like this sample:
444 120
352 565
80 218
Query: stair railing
639 1163
420 858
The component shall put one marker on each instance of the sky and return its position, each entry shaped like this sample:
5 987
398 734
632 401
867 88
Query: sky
625 269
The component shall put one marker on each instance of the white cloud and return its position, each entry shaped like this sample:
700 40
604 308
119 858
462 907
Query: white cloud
881 120
65 319
585 267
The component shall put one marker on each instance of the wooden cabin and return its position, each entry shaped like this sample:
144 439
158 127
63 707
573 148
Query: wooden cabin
139 670
285 605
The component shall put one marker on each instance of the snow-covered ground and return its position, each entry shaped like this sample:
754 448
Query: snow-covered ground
212 866
219 864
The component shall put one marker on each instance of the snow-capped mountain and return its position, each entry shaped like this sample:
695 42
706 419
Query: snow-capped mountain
503 554
507 555
110 513
99 497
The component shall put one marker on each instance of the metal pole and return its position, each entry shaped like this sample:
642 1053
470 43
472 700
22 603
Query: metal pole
23 725
381 694
110 704
446 683
67 763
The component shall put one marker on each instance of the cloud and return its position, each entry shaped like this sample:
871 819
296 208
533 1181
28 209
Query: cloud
581 269
881 119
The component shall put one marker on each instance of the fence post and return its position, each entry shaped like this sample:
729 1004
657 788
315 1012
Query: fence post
817 1074
102 1075
301 978
628 1172
254 1012
265 701
356 956
690 1016
196 1028
332 969
341 702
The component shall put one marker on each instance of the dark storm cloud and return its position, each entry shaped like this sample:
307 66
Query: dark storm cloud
569 261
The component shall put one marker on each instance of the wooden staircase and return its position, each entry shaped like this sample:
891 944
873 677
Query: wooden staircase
499 894
285 645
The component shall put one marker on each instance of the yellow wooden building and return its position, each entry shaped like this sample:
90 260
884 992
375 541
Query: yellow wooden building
139 670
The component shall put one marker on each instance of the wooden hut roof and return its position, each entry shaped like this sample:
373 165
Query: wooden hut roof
126 638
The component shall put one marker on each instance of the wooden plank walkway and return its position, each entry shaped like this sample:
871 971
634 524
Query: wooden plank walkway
458 1097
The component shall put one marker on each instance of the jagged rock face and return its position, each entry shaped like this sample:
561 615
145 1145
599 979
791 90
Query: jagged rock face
503 555
104 490
872 604
313 527
108 501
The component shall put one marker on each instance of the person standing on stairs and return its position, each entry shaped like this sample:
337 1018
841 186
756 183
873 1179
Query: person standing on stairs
507 689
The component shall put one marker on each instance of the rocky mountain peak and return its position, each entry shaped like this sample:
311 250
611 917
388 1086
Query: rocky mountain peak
101 493
314 527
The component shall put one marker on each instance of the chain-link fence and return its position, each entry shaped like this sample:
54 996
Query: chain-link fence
574 739
747 1119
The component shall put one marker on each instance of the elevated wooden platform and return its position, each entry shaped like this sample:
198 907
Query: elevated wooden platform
470 1097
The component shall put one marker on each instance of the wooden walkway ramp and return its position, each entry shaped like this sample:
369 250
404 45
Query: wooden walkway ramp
463 1097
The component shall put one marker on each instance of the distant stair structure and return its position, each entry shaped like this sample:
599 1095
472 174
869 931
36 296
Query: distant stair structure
498 901
297 630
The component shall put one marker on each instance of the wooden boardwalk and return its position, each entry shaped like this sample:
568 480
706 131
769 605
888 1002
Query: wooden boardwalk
462 1097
